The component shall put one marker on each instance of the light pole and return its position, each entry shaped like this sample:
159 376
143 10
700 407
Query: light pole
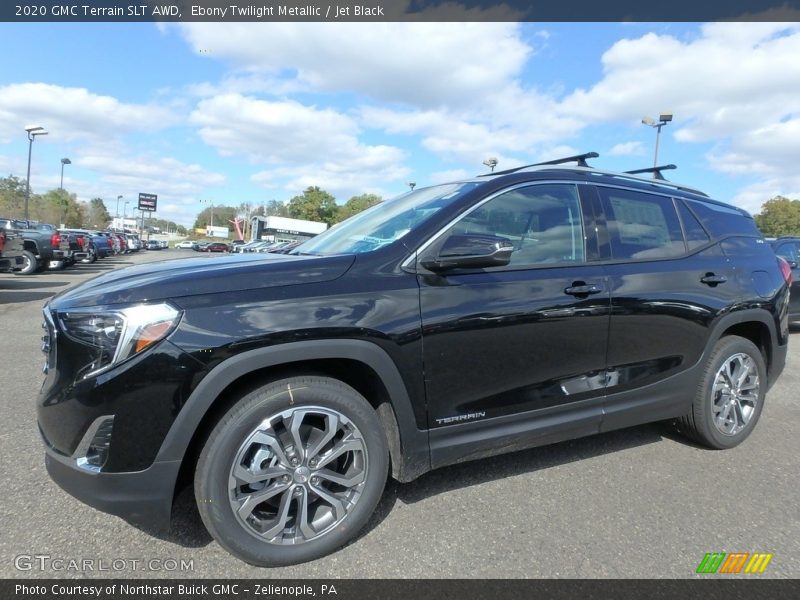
124 212
116 214
33 131
411 185
491 163
64 161
663 119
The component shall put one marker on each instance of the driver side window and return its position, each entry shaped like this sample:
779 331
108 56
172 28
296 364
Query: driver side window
543 222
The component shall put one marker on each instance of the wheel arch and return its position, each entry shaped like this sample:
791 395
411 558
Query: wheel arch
363 365
753 325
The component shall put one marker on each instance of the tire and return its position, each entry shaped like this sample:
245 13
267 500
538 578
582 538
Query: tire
255 434
91 258
29 263
729 397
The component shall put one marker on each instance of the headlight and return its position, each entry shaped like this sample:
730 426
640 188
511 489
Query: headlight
116 335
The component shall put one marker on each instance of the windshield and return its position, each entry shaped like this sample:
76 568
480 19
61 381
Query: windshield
386 222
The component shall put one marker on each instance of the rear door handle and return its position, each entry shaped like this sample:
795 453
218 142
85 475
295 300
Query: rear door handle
711 279
583 289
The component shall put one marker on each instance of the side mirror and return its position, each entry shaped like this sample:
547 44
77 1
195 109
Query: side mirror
471 251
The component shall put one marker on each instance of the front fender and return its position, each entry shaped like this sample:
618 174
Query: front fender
414 447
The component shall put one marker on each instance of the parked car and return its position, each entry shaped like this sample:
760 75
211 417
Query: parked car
41 245
454 322
788 248
11 249
185 244
92 244
153 245
134 243
215 247
199 246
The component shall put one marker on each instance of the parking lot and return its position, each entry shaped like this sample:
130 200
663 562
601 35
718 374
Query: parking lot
640 502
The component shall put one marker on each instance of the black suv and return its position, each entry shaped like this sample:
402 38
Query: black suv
788 248
451 323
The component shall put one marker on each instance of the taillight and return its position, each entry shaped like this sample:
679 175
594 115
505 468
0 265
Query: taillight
110 242
786 270
81 241
55 241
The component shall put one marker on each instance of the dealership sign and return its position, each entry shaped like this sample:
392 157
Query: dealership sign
148 202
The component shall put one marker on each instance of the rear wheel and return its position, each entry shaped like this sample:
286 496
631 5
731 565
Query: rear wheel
29 263
730 396
292 472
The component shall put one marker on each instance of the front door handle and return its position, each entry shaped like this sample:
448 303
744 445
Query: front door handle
712 280
582 289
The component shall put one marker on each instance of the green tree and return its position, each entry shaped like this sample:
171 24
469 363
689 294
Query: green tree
779 216
314 204
222 217
275 208
12 197
356 204
97 215
56 207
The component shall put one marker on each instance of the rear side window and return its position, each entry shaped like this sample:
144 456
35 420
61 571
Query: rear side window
642 226
787 250
723 220
692 229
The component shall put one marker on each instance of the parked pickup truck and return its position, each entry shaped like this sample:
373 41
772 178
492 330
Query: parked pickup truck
11 248
41 244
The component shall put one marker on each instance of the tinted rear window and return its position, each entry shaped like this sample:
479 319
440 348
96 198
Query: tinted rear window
723 220
692 229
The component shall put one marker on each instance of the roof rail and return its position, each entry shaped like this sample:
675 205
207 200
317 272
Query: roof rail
656 171
578 158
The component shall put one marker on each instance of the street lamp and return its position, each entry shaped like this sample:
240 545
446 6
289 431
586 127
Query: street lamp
64 161
663 119
33 131
124 212
491 163
411 185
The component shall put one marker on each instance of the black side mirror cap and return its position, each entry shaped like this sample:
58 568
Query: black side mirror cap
471 251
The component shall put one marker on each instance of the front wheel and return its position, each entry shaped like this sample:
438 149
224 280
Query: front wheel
292 472
730 395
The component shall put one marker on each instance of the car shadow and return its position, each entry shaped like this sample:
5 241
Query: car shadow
17 297
18 283
187 527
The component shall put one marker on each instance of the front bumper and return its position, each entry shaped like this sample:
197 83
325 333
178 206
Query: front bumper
142 497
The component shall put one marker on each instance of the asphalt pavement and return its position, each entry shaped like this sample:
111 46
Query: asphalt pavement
640 502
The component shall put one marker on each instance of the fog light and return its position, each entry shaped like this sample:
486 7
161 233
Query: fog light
92 452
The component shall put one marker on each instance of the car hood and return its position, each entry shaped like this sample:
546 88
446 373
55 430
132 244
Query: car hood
196 276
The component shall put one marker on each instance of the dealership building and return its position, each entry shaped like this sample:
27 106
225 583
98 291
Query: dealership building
283 229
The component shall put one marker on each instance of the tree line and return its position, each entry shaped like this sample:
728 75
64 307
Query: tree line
55 207
314 204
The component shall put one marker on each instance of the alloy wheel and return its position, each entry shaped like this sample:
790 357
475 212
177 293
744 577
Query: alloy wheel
735 394
298 475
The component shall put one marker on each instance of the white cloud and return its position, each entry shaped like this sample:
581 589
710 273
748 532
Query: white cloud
303 145
419 64
736 85
627 149
71 113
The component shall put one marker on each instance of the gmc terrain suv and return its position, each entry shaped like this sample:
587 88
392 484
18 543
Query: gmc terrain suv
451 323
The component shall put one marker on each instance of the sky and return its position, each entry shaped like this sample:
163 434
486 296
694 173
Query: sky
232 113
